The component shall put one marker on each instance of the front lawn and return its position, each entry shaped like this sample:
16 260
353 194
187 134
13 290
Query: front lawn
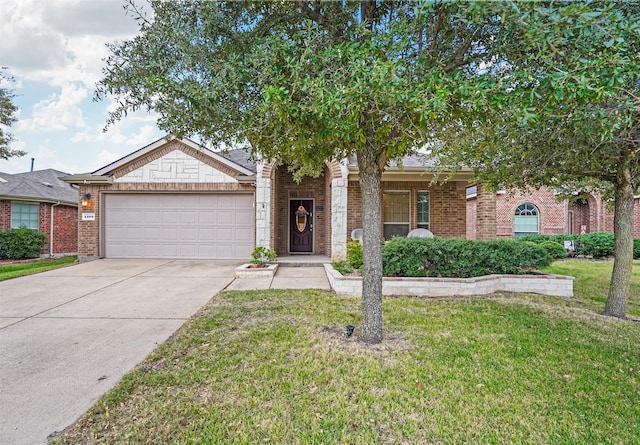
275 367
592 282
21 268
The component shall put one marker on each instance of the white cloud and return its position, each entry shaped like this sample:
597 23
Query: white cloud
58 112
105 157
59 41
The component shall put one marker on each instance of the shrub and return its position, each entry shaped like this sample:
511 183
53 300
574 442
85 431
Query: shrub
560 239
21 243
262 255
354 254
554 249
596 244
636 249
538 238
441 257
343 267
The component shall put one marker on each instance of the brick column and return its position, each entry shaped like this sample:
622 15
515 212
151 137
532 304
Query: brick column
485 213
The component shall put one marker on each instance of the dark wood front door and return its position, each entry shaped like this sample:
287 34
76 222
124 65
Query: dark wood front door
301 226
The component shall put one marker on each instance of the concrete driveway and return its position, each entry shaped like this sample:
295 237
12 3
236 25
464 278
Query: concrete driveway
69 335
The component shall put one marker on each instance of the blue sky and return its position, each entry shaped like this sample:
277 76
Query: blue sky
54 50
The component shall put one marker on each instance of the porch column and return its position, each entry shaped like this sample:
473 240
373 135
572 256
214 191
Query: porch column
263 208
339 214
485 213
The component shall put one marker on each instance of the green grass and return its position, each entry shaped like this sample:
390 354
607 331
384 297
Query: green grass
19 269
275 367
592 282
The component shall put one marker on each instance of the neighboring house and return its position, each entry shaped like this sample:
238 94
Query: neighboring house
176 199
39 200
519 214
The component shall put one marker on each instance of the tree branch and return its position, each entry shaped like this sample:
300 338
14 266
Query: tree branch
368 13
458 59
436 33
319 18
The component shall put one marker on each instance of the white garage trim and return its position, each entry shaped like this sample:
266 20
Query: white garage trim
178 225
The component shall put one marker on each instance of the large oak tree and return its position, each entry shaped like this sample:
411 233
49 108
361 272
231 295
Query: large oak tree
305 82
569 113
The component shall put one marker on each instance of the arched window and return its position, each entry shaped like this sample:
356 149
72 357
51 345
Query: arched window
526 220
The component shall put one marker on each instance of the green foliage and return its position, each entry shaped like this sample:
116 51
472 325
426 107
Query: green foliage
21 243
568 113
7 117
263 255
441 257
257 367
22 268
343 267
554 249
596 244
354 254
636 249
537 238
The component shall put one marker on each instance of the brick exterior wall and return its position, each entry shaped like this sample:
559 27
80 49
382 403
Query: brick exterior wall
5 215
485 213
472 208
447 206
552 214
65 228
554 217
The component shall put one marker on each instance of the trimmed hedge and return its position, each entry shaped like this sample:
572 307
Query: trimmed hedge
595 244
554 249
442 257
21 243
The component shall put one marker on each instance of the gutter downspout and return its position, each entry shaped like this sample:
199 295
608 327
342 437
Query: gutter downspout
51 229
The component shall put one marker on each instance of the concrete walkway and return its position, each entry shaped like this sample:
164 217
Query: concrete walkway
69 335
286 278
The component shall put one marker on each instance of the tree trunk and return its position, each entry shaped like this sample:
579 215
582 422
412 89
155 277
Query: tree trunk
370 176
623 256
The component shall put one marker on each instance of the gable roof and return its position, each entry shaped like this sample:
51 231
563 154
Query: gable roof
39 185
235 159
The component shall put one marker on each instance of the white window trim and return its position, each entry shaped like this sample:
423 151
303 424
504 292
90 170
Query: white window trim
537 215
428 192
30 203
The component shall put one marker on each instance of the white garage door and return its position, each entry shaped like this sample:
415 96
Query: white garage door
179 225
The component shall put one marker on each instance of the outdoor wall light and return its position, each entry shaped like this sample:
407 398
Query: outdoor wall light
85 201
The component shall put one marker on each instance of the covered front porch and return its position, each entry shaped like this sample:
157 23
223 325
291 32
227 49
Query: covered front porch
317 215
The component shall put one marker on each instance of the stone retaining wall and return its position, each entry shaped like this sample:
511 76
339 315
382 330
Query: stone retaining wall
545 284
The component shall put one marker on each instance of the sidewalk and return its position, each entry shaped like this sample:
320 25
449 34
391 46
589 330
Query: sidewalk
310 277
